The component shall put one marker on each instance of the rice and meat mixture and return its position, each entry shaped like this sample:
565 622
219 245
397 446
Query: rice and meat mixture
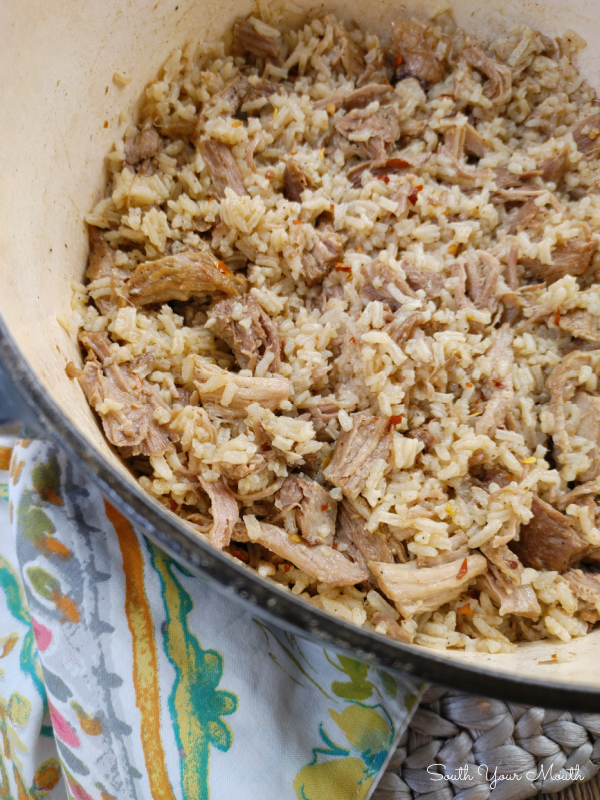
341 319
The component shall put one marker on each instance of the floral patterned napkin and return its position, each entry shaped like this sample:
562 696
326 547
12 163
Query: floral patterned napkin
124 676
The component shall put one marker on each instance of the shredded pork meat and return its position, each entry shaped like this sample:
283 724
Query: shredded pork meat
249 331
357 451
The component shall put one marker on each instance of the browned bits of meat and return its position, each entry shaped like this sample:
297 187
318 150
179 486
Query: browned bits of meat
584 489
246 35
548 541
554 168
580 324
73 371
417 590
359 98
584 585
421 278
381 127
295 181
481 280
571 258
125 403
178 128
499 84
499 382
589 428
319 261
319 561
222 167
248 330
356 451
235 472
423 52
181 277
224 510
423 434
587 136
505 179
401 331
525 216
315 509
362 546
102 265
474 143
268 392
347 51
263 89
377 279
520 600
498 476
143 145
392 628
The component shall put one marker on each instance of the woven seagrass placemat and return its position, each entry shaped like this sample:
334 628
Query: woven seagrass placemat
461 747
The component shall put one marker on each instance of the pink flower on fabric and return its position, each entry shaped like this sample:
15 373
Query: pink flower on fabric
78 792
62 728
43 635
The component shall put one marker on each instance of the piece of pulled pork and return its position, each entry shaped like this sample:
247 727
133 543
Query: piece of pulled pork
180 277
416 590
319 561
586 587
571 258
246 35
102 268
361 545
548 541
356 452
224 510
373 132
423 52
359 98
580 324
383 283
125 403
499 382
519 600
587 136
228 395
319 261
295 181
143 145
315 509
222 167
499 83
249 331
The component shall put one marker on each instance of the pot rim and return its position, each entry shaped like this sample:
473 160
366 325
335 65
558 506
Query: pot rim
248 588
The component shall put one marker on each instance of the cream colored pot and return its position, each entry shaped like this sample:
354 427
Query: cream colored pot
59 111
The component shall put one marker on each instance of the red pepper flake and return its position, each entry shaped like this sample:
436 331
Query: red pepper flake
398 60
223 268
513 564
269 174
335 545
383 178
106 123
126 280
325 507
466 609
397 163
396 419
469 385
352 340
287 567
464 567
173 504
296 222
343 268
240 555
557 317
412 197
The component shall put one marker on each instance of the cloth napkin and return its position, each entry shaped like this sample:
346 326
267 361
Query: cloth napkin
122 675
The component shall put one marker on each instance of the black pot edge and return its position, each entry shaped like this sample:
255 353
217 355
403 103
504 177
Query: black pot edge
277 606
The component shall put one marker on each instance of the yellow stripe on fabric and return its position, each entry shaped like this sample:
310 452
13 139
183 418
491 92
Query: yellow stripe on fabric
145 657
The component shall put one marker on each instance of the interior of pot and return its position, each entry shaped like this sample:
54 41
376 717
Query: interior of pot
60 110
